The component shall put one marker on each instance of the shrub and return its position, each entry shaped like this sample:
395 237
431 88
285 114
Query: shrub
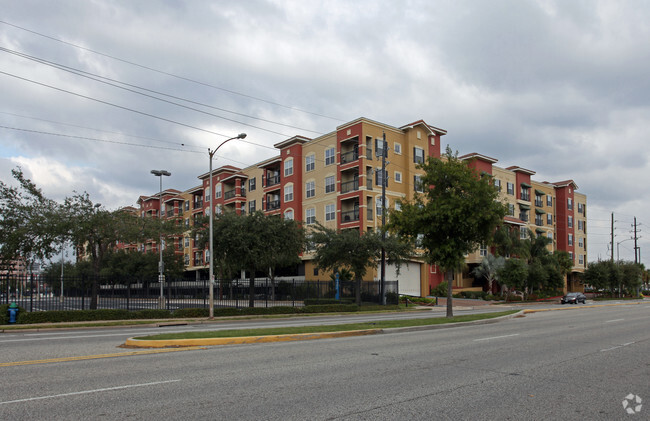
190 312
4 314
321 301
440 290
392 298
330 308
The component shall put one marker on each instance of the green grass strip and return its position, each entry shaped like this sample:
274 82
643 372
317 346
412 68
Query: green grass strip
384 324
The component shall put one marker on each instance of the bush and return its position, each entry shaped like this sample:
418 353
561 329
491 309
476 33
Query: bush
330 308
392 298
321 301
190 312
440 290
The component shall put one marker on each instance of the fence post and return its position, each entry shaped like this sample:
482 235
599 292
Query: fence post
266 293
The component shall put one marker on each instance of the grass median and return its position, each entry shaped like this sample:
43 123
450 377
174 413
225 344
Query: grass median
380 324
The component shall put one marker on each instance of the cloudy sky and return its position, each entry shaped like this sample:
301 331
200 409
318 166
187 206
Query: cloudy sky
95 94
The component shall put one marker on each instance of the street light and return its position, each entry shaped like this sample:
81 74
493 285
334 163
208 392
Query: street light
161 277
211 153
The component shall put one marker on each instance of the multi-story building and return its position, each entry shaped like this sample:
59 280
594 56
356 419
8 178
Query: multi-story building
336 180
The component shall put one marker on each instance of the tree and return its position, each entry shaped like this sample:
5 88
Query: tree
29 222
489 269
356 251
254 242
458 211
514 274
507 242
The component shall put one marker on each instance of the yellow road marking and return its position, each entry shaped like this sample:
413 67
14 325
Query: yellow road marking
95 357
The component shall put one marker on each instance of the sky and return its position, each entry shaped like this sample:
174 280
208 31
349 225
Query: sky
94 94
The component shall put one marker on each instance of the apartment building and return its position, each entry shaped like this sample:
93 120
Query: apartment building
336 180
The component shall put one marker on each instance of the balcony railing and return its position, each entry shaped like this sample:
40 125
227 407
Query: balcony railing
539 222
273 205
539 203
272 180
523 217
170 213
197 204
349 186
350 216
349 157
525 196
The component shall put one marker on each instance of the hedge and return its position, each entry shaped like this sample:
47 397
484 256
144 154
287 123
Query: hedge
59 316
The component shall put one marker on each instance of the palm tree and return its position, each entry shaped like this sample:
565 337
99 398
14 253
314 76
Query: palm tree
488 269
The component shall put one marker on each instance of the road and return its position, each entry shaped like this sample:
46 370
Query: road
577 364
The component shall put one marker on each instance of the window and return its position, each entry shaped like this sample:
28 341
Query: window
187 241
381 177
549 219
310 216
523 232
330 212
378 205
288 193
397 148
217 191
497 184
207 255
310 162
398 206
579 207
418 155
549 200
288 167
549 235
579 225
310 189
186 260
329 156
580 242
251 206
511 209
251 184
525 193
483 250
581 259
569 204
398 177
187 222
511 188
571 255
217 210
187 205
329 184
417 184
570 221
288 214
570 239
381 147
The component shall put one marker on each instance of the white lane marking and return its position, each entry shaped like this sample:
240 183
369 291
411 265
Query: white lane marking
614 320
83 392
616 347
496 337
76 337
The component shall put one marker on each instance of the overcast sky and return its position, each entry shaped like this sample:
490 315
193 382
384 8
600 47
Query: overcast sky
558 87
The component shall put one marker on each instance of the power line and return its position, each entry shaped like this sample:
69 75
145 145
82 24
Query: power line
172 74
107 81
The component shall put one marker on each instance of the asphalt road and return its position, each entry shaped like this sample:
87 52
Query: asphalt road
577 364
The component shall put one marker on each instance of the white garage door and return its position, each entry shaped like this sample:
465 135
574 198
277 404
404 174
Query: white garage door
409 277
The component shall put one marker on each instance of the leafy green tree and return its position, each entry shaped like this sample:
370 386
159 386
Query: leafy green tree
254 242
631 276
458 211
514 274
355 251
489 269
29 222
508 242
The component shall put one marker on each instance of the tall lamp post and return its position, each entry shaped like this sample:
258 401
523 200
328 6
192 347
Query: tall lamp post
161 276
211 210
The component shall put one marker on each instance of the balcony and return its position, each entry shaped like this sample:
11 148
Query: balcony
272 180
523 216
273 205
525 196
197 204
349 186
350 216
170 213
539 221
539 202
348 157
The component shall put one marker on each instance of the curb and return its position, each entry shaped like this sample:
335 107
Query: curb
528 311
140 343
164 343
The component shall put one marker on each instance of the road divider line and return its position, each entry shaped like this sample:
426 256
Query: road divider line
614 320
99 356
84 392
496 337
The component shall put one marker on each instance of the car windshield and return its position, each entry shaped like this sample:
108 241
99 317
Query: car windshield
572 294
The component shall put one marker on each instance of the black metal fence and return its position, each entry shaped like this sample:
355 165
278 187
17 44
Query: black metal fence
39 293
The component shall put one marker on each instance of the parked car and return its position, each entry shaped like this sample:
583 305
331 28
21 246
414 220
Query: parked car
574 298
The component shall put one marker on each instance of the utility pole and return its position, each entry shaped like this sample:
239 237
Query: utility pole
635 245
612 237
384 180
